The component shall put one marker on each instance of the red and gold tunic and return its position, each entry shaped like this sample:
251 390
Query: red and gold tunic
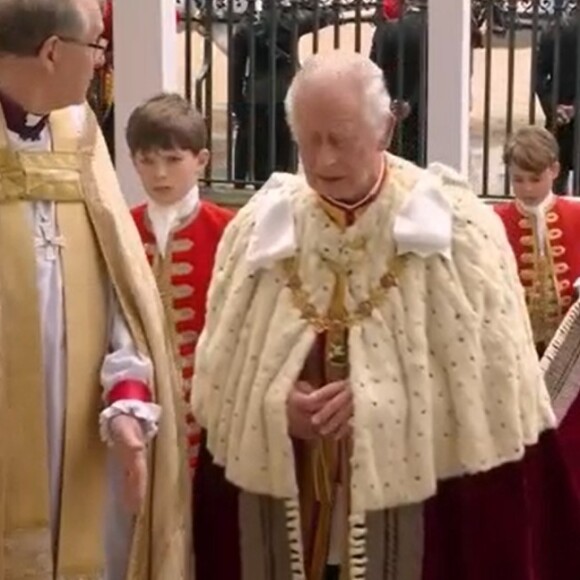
548 257
183 274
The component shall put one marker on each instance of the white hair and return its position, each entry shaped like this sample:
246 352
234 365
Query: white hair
341 71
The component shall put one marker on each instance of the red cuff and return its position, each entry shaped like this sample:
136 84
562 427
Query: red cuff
135 390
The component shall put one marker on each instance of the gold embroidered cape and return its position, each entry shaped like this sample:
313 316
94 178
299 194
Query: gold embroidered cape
101 246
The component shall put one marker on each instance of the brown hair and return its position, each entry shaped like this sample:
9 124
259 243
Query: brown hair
164 122
532 149
26 24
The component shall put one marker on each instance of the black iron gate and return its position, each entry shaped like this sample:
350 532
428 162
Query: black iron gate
535 41
261 41
515 32
525 59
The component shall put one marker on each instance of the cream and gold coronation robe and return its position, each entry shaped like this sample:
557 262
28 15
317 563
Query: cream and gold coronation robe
81 335
441 359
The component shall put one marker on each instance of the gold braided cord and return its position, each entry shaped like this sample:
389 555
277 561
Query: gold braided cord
363 309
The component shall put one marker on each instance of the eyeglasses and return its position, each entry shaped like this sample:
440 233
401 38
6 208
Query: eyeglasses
101 44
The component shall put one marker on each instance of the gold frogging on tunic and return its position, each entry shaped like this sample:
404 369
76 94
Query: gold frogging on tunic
164 269
540 273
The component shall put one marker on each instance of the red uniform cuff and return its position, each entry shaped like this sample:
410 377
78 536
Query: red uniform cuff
134 390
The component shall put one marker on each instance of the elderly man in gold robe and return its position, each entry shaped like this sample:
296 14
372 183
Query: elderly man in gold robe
372 401
81 328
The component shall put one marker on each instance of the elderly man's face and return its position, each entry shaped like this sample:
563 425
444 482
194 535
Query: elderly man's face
340 150
72 61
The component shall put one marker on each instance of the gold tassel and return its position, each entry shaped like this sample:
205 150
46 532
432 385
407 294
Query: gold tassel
322 477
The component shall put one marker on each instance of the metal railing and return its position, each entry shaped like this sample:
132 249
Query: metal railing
261 42
239 57
525 75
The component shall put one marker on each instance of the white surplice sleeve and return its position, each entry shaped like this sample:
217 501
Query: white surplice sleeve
126 377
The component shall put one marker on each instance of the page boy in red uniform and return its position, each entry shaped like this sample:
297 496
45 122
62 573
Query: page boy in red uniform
543 230
180 232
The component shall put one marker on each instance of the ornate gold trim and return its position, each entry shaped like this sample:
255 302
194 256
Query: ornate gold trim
179 245
33 161
540 279
180 268
345 319
187 336
566 300
183 314
182 291
527 258
33 175
15 187
528 274
564 285
165 268
524 224
358 244
558 251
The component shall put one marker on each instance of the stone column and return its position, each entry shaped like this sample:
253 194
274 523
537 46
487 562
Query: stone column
448 82
145 64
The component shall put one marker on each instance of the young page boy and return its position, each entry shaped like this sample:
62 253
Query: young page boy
543 230
167 139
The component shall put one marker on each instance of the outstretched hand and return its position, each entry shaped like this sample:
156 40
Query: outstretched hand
129 445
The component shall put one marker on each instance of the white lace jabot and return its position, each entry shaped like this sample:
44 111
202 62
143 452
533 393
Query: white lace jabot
164 218
538 214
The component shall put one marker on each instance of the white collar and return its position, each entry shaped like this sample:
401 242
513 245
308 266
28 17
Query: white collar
165 218
538 212
541 208
32 119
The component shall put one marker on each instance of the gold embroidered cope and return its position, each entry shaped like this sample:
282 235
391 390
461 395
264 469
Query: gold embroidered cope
97 246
